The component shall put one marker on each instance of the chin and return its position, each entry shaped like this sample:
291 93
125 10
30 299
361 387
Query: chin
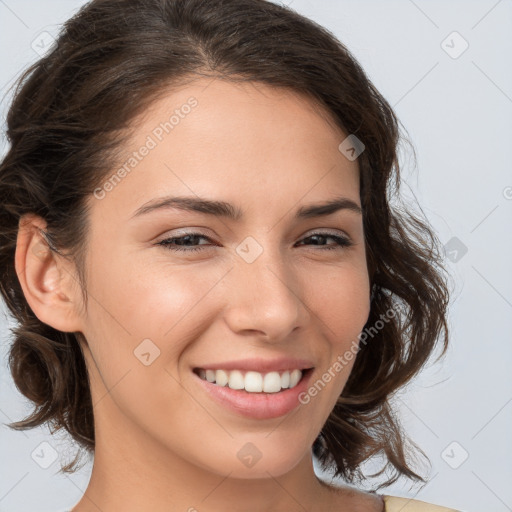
264 457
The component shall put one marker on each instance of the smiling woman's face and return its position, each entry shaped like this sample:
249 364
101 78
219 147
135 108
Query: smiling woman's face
270 290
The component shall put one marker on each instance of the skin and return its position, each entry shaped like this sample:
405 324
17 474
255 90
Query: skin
161 443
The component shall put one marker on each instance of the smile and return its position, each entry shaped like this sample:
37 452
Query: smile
249 396
251 381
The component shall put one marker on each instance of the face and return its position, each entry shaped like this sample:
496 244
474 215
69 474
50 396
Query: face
259 288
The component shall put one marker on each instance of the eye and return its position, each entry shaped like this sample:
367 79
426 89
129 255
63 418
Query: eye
340 241
181 243
188 242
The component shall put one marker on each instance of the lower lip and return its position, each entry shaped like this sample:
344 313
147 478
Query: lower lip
259 406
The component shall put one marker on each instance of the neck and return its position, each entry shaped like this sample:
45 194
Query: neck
133 472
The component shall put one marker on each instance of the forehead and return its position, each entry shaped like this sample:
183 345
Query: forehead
245 142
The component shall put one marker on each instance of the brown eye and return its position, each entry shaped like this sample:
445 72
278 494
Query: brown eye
184 243
340 241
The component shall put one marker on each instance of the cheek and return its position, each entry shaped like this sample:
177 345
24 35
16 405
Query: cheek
131 301
140 320
145 296
340 297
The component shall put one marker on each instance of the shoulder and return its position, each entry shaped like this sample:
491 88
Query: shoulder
396 504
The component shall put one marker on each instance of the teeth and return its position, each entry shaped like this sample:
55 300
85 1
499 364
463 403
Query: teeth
221 377
253 382
272 382
285 380
236 380
295 376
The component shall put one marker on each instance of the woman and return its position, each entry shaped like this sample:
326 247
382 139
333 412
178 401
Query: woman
210 284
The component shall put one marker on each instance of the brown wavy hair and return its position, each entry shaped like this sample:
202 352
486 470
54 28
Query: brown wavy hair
110 61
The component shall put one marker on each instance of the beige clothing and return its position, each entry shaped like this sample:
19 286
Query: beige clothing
395 504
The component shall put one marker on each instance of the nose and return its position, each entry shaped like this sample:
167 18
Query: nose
264 298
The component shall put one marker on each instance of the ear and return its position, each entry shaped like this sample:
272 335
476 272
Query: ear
48 279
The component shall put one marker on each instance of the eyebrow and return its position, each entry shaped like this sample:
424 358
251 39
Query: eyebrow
229 211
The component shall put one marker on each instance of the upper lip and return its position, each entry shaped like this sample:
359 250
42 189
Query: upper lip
281 364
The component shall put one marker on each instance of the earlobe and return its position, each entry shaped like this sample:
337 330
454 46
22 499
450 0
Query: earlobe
46 277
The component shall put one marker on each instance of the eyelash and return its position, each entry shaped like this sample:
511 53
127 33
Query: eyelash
341 242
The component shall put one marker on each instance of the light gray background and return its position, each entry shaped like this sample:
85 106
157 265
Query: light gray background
457 112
